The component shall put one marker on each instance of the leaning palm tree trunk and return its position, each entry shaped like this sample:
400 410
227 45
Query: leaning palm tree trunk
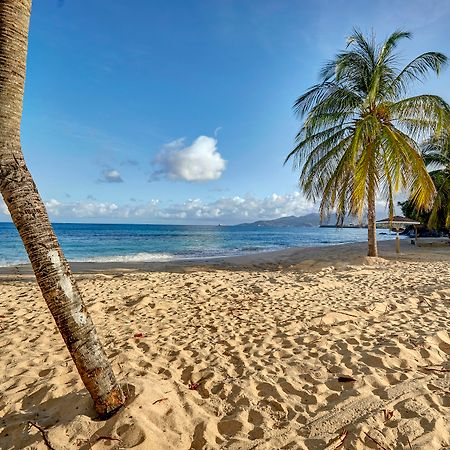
30 217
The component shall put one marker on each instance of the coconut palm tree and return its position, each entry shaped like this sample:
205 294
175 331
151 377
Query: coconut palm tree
359 139
30 217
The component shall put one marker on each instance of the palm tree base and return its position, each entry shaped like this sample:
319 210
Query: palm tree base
109 406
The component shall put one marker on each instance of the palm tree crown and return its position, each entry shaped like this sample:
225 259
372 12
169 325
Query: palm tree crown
360 137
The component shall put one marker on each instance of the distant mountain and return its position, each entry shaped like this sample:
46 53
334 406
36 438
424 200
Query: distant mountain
310 220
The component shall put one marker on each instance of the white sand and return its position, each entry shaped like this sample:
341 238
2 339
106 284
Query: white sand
266 348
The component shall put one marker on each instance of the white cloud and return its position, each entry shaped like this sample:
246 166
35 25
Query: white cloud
200 161
228 210
53 207
90 209
111 176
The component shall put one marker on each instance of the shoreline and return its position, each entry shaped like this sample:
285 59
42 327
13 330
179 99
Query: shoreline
303 258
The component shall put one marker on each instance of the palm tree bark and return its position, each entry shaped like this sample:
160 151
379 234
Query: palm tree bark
30 217
371 219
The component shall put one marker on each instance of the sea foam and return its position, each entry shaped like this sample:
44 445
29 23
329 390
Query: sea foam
134 257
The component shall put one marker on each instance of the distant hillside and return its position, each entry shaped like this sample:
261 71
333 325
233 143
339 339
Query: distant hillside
310 220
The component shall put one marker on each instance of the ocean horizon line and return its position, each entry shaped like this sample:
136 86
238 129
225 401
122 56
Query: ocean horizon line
166 224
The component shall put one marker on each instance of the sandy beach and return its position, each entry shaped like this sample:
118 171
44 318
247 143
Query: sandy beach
318 348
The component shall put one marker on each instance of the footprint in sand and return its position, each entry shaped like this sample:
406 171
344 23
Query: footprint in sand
229 427
143 346
130 435
256 419
198 439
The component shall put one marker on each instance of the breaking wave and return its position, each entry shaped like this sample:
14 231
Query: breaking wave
133 257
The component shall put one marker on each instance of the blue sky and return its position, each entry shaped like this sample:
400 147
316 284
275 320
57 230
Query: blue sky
180 111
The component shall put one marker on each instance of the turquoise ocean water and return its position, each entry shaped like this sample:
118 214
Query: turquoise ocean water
104 243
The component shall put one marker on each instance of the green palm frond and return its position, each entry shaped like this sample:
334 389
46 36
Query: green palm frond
436 151
417 70
391 43
424 115
318 146
436 154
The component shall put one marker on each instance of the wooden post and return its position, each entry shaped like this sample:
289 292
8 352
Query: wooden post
397 243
